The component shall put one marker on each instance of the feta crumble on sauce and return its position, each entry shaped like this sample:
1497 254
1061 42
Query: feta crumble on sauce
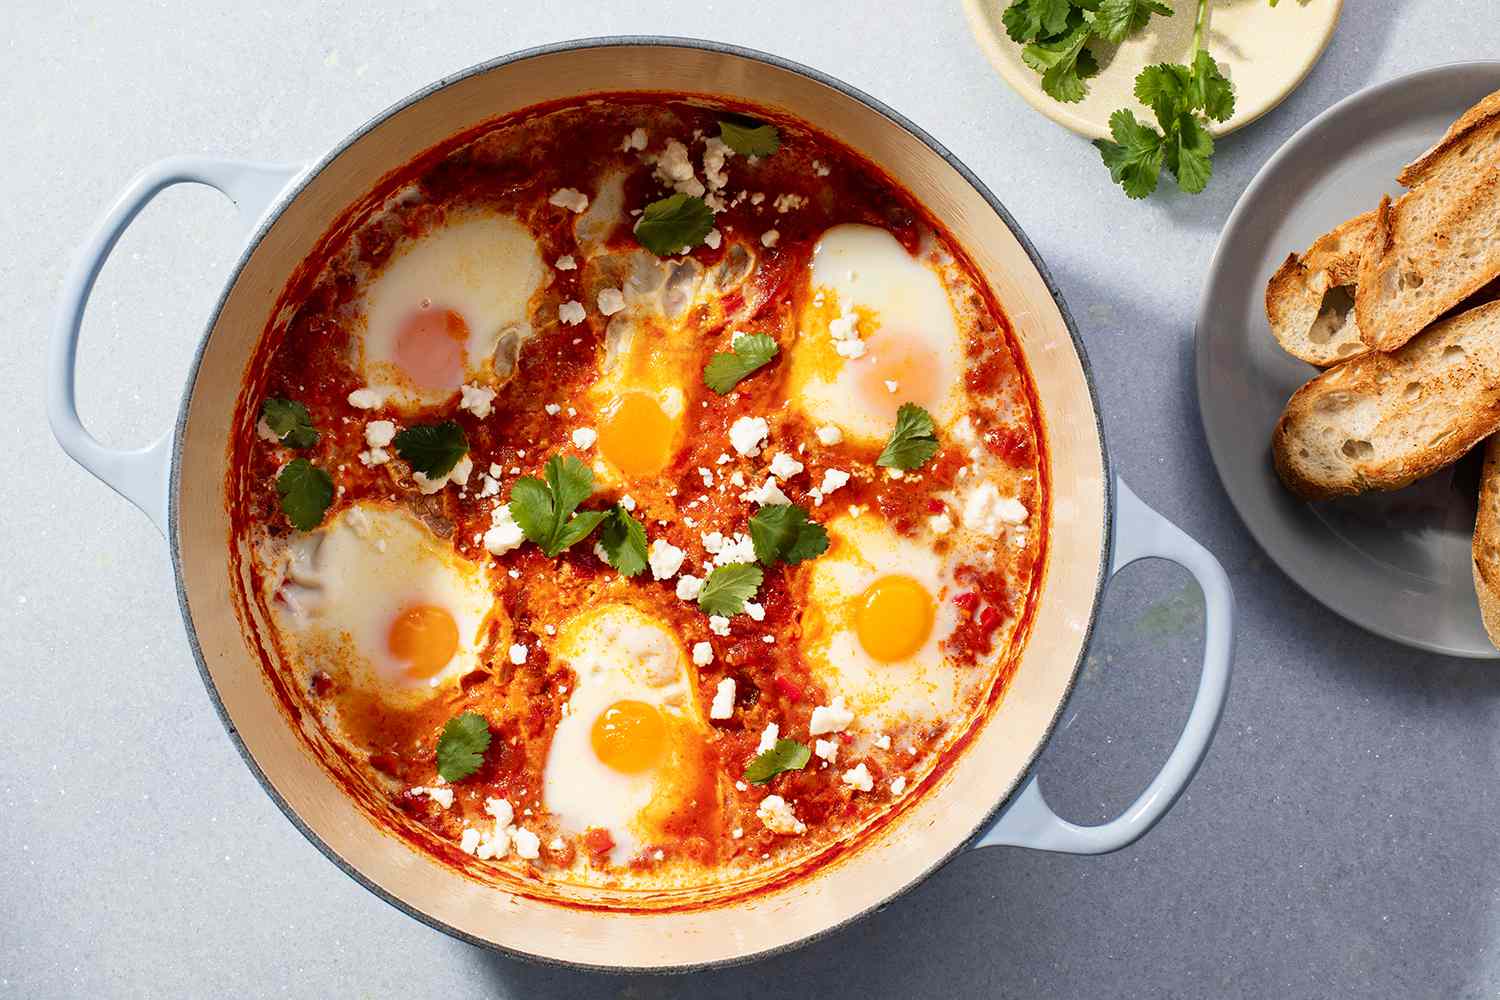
499 314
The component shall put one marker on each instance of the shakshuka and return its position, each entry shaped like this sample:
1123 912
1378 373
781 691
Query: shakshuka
640 492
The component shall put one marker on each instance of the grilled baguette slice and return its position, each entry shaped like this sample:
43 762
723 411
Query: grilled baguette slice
1310 298
1487 541
1440 242
1381 421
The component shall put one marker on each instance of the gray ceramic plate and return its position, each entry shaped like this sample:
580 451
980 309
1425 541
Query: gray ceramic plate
1396 563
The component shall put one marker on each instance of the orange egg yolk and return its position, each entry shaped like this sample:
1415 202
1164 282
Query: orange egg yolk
430 348
893 618
902 360
636 435
424 637
629 736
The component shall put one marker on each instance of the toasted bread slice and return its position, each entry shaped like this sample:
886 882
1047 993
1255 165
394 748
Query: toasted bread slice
1487 541
1310 298
1438 243
1381 421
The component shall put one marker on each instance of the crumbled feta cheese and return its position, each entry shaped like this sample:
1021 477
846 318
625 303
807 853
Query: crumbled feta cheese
571 312
987 512
829 435
715 154
688 588
718 625
566 263
768 737
628 502
584 438
845 333
898 786
489 486
757 197
891 385
611 301
766 494
737 478
713 541
665 559
858 778
778 816
442 796
373 457
747 434
757 612
788 202
469 841
518 653
528 844
820 168
703 653
552 409
827 749
502 810
785 466
770 238
883 741
505 534
636 140
379 433
834 718
852 349
740 786
675 170
477 400
723 705
738 832
833 479
367 399
570 198
458 474
714 239
739 549
940 524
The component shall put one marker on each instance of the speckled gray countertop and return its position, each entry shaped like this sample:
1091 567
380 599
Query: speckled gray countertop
1340 840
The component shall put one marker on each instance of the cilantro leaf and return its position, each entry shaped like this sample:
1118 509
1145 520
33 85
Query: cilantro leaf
1210 89
1189 154
728 588
1118 19
726 370
432 449
786 755
289 421
544 510
782 531
750 140
1063 61
1134 159
460 750
624 542
1032 20
913 442
673 224
305 491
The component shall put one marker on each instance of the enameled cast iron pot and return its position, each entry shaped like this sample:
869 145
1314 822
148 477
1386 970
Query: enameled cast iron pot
987 796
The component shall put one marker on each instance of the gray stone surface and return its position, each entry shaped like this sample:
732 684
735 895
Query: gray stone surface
1340 840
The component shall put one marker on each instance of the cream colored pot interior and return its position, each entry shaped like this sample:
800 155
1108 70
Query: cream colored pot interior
932 827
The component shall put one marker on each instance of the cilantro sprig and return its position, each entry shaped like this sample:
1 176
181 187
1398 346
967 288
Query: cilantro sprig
913 441
290 422
545 509
727 369
623 540
432 449
749 140
674 224
305 492
783 531
786 755
461 747
728 588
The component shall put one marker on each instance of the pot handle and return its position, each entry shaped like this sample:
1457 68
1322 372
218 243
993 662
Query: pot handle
140 475
1141 532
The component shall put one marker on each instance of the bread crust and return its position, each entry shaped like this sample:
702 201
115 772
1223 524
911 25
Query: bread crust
1487 541
1486 112
1294 295
1384 420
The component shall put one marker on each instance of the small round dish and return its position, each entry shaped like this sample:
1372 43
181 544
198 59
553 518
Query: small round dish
1399 563
1266 51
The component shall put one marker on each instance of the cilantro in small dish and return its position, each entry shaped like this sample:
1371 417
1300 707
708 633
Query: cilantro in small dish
305 492
727 369
913 442
461 747
674 224
786 755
